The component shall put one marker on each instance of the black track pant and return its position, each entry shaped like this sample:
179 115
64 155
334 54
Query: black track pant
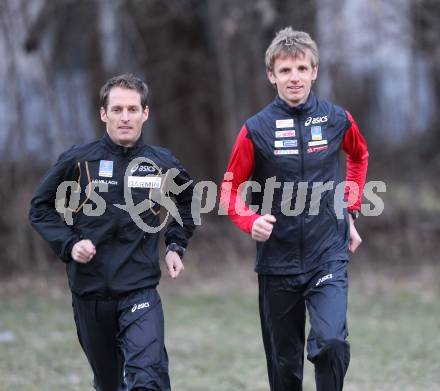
283 301
124 336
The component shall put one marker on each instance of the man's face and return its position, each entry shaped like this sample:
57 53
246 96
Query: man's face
293 76
124 116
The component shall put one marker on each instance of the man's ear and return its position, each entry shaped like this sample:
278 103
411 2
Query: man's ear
145 113
103 114
270 76
315 73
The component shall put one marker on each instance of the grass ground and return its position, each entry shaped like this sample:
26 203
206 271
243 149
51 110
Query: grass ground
213 336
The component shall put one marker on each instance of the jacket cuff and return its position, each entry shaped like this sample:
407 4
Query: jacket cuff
67 253
251 222
179 241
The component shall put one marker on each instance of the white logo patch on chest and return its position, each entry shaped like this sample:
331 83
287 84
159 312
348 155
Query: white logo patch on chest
286 143
145 182
316 120
284 133
284 123
285 152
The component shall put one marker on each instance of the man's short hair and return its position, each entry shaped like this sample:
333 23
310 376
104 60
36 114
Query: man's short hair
291 42
127 81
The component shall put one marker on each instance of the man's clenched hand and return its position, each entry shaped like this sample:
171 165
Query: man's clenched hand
174 264
262 228
83 251
355 239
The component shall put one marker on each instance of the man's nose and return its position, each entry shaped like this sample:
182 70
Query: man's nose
124 116
294 76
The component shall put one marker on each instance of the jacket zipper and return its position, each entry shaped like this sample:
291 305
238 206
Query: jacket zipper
301 154
125 157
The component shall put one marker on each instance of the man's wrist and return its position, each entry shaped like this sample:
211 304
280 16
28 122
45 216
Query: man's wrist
176 248
354 214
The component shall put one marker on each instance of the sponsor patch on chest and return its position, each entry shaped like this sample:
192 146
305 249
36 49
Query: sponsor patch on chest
284 123
105 181
144 182
317 149
316 143
286 143
150 169
284 133
106 168
316 133
285 152
316 120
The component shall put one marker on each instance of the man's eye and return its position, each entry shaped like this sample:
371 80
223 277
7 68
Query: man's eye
134 109
116 110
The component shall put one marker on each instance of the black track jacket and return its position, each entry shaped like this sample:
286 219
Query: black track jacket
127 256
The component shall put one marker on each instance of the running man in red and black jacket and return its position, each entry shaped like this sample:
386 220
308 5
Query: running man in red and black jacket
291 150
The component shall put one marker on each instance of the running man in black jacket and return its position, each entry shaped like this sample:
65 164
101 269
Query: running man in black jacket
291 150
110 246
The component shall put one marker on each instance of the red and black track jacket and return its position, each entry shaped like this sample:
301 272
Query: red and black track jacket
293 145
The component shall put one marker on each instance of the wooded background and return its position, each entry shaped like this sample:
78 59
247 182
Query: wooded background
204 63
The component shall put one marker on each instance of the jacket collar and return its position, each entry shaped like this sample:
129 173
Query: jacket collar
305 107
119 149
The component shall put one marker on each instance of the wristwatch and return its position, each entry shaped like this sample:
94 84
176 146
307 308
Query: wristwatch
354 214
176 248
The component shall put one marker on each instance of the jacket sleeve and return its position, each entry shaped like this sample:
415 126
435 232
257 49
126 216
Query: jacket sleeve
176 233
355 146
240 169
43 215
